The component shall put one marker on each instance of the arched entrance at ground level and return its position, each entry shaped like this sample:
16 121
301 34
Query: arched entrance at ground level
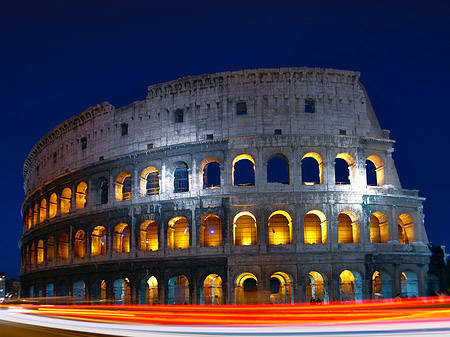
246 289
433 284
281 288
31 293
179 290
148 293
122 291
211 292
381 285
316 287
350 286
49 290
98 291
409 284
79 292
62 289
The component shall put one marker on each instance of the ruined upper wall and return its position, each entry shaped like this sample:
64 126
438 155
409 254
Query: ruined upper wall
275 100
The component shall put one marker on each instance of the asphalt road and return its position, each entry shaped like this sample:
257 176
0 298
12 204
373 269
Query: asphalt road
20 330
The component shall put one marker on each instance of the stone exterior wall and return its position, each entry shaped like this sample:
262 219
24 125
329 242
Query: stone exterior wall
103 142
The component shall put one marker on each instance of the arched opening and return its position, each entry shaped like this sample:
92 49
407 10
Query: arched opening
244 229
35 214
79 292
148 236
149 291
381 285
31 292
210 231
81 195
316 288
122 291
210 172
315 227
33 254
211 292
66 200
379 228
278 170
52 205
150 181
51 248
243 170
344 165
405 229
40 252
246 289
63 289
80 244
178 233
98 241
30 217
350 286
99 291
63 246
312 169
181 177
49 290
374 171
123 187
179 290
348 227
280 288
409 284
103 191
121 238
28 256
433 285
280 228
43 211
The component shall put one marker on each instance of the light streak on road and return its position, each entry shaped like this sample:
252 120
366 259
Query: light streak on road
418 317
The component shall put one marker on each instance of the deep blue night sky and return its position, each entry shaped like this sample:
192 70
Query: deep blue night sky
60 57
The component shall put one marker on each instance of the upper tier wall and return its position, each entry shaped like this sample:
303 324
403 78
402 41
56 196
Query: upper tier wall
275 100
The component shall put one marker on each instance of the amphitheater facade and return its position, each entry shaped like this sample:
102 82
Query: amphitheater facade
254 186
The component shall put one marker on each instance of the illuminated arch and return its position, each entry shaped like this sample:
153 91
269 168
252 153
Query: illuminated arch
378 170
348 227
178 287
51 248
244 229
53 205
178 233
312 169
150 181
409 284
121 238
80 244
281 288
123 186
63 246
379 228
33 253
344 167
81 195
316 287
280 228
181 177
40 252
210 173
381 285
43 211
315 227
406 229
211 291
246 289
149 293
66 200
98 241
148 236
210 231
35 214
244 172
122 291
278 169
350 286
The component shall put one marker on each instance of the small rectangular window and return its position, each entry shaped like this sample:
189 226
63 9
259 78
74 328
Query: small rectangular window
209 136
124 128
101 158
149 146
277 132
54 157
342 132
241 108
83 143
309 106
179 116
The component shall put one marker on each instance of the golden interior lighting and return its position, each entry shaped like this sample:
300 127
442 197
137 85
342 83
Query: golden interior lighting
348 227
121 238
66 200
379 169
315 227
244 229
148 236
40 252
51 248
80 244
149 181
53 205
123 186
98 241
212 289
178 233
152 296
406 229
81 195
43 210
63 246
210 231
280 228
379 228
246 288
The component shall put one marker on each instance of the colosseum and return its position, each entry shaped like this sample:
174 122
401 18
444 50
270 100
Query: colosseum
253 186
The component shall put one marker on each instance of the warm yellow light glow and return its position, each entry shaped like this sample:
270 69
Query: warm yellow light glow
348 227
53 205
315 227
148 236
98 241
319 160
280 228
66 200
143 180
210 231
81 195
406 229
121 182
244 229
379 169
121 238
178 233
241 157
